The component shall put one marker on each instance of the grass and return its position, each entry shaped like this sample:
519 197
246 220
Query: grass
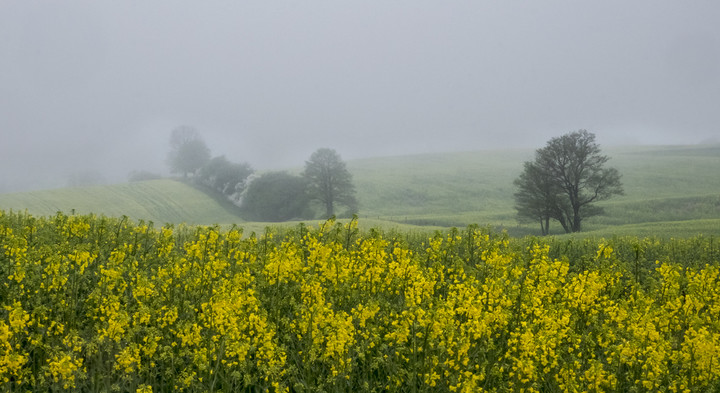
662 229
673 191
160 201
667 188
668 172
437 184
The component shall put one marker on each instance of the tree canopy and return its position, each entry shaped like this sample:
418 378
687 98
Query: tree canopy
225 176
564 181
188 151
275 196
537 197
329 181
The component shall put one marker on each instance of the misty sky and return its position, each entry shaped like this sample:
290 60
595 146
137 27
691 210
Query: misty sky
101 84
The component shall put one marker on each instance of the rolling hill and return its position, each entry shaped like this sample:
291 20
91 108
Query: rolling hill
160 201
666 186
669 191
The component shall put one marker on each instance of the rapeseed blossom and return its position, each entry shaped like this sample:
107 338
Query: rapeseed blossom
101 304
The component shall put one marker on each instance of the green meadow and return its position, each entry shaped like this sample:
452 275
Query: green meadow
670 191
160 201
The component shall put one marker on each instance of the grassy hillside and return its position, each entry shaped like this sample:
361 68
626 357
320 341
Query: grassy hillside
669 191
664 185
438 184
160 201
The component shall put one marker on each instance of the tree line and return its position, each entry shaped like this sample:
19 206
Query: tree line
324 186
563 183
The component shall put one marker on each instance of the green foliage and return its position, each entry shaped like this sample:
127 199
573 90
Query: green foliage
224 176
97 304
188 151
329 181
275 197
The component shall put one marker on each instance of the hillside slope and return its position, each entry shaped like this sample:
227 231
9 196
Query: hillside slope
160 201
671 190
662 184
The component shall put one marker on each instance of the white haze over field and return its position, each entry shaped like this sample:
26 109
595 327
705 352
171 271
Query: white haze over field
98 85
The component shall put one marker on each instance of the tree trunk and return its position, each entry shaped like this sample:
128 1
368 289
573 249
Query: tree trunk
575 203
576 219
547 225
329 211
564 224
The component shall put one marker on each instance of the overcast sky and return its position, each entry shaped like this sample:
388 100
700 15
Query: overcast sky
101 84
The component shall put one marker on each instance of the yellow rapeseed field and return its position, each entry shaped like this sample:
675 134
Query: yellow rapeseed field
97 304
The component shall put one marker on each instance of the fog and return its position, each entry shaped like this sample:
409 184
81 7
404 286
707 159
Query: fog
98 85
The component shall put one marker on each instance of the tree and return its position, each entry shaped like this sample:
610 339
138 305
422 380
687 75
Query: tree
188 151
275 196
329 181
224 176
566 179
537 197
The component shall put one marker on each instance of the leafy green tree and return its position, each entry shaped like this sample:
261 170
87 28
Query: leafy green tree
565 181
188 151
275 196
329 181
225 176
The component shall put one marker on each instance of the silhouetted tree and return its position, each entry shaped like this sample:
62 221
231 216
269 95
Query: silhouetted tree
564 182
537 197
329 181
188 151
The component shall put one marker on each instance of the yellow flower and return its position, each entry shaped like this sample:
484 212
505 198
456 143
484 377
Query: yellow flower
63 368
144 389
128 360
